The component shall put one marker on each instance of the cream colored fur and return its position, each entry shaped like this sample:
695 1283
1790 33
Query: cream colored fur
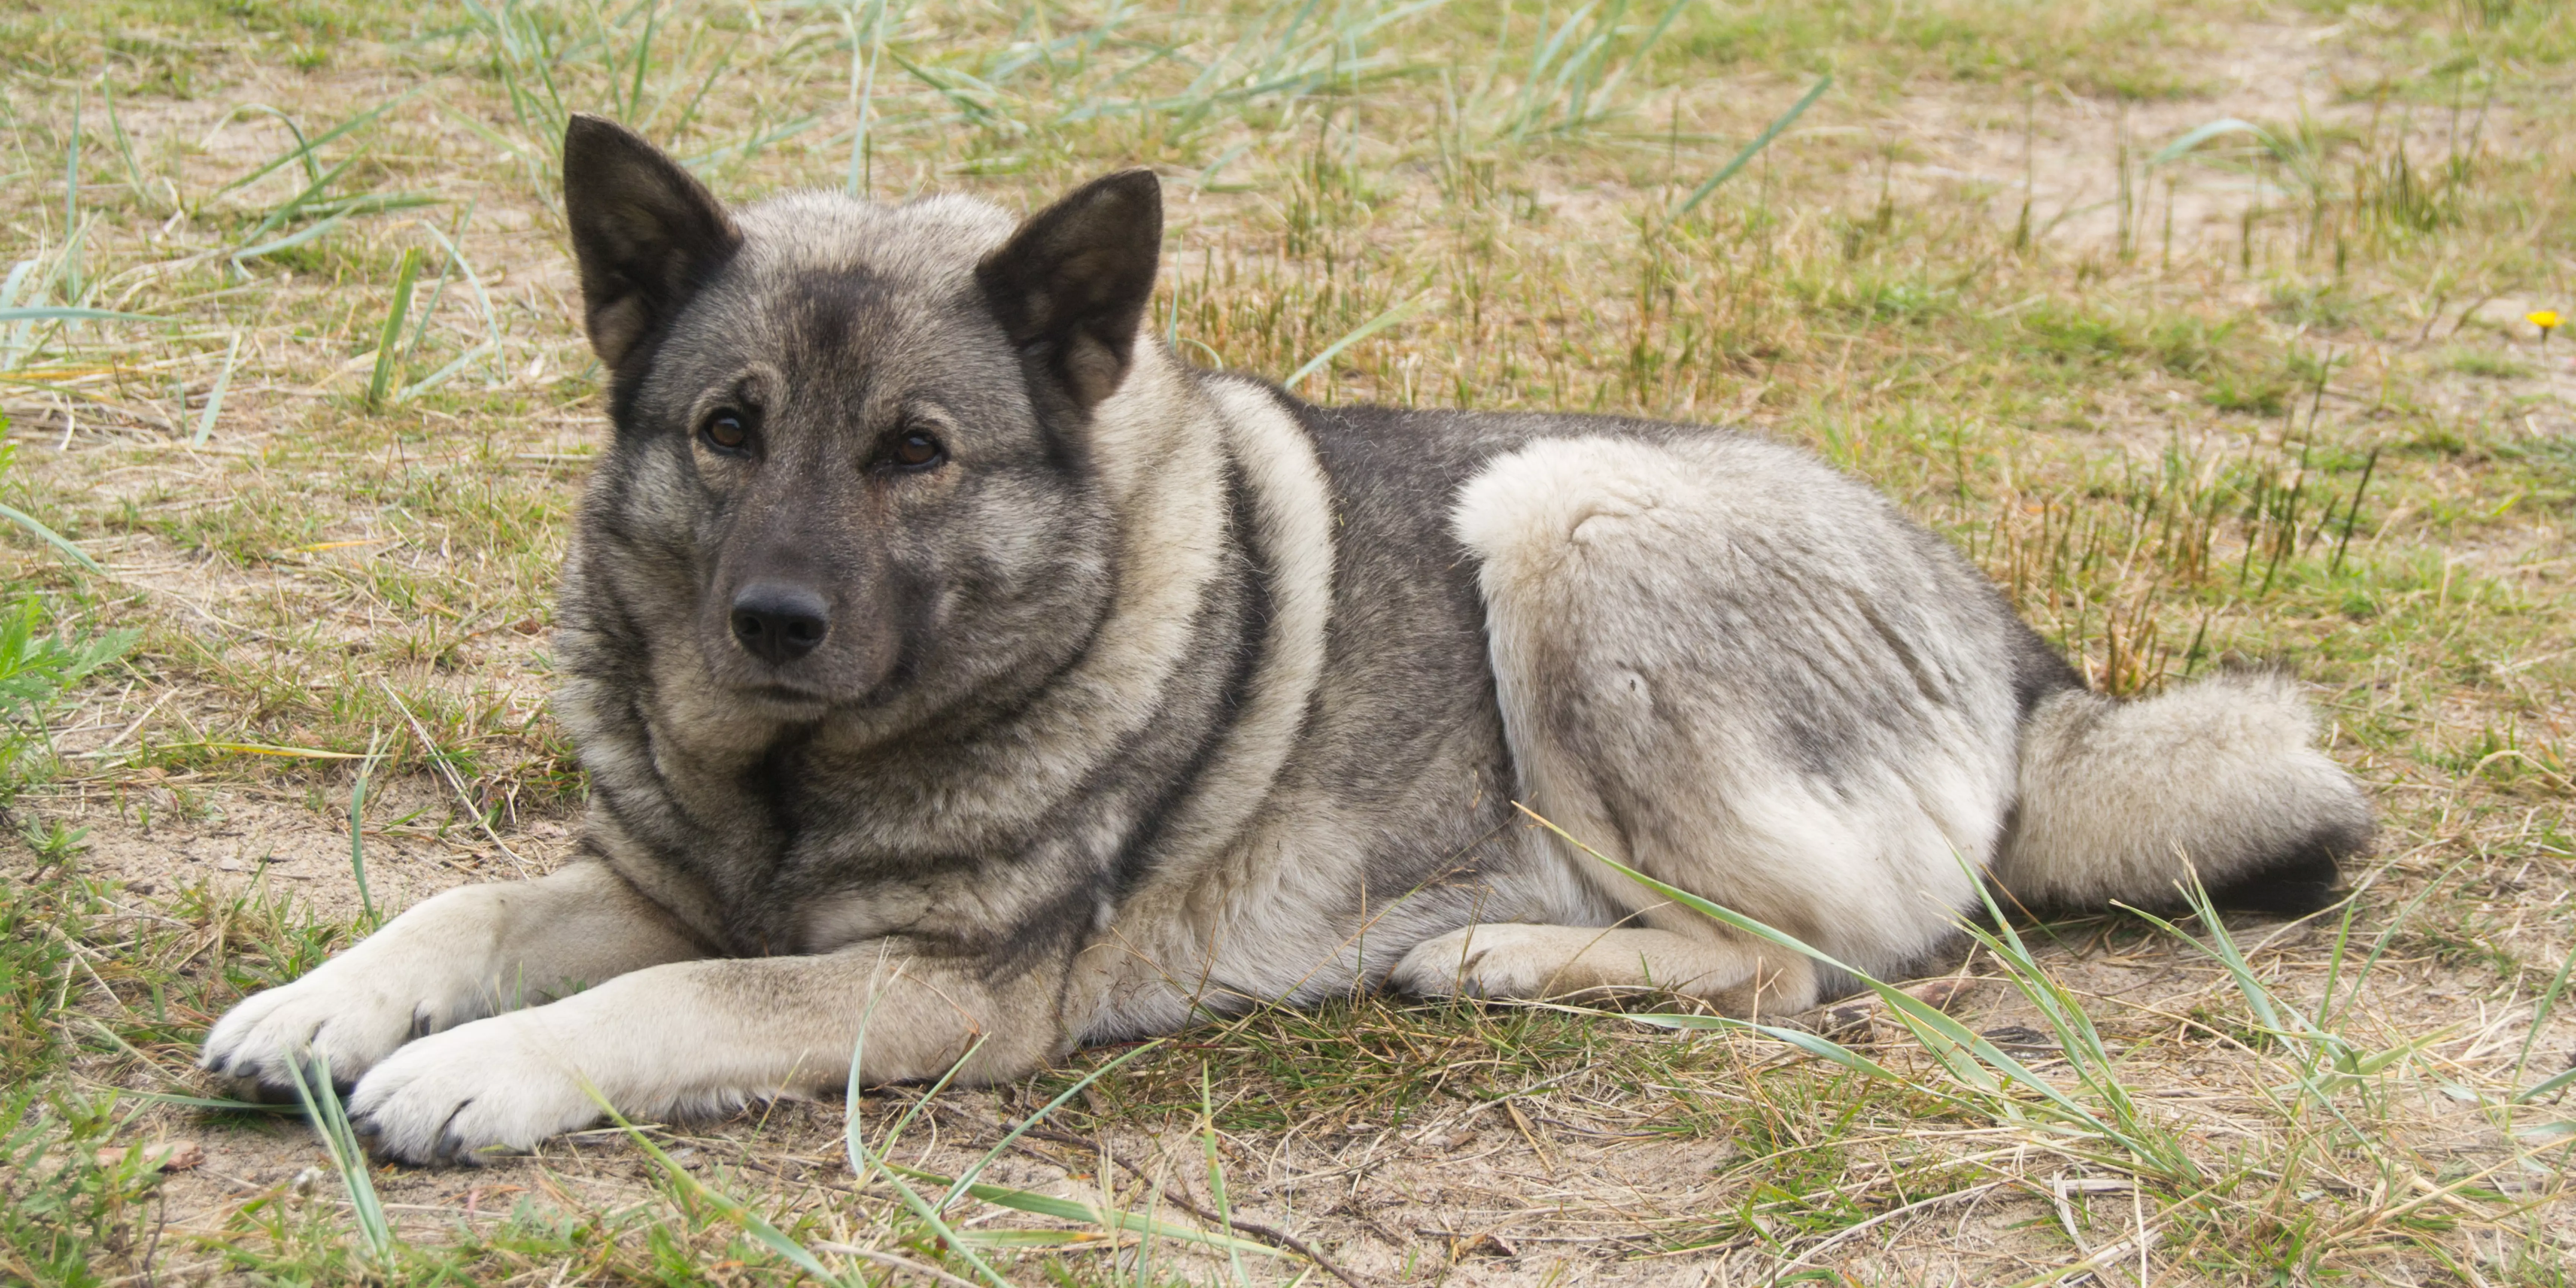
1600 561
2116 798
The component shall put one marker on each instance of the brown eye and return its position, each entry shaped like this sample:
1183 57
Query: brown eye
726 433
917 450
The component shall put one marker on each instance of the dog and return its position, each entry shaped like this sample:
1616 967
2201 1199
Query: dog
962 678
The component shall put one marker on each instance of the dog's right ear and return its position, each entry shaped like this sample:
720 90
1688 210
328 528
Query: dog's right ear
648 235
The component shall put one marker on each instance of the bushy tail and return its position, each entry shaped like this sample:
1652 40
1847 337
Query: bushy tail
2116 797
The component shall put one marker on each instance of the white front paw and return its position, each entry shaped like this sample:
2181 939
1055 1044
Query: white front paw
346 1012
494 1083
1500 960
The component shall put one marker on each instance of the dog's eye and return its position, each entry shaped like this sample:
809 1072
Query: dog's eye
917 450
726 433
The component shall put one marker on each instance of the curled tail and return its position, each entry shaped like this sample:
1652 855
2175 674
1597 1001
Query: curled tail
2117 796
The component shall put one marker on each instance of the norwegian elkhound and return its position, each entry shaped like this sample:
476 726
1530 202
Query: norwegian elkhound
955 666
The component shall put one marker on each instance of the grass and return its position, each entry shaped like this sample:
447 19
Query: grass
2199 329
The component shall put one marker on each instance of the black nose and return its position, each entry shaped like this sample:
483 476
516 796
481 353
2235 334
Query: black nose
779 623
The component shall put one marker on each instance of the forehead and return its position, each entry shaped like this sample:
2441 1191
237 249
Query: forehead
932 244
829 286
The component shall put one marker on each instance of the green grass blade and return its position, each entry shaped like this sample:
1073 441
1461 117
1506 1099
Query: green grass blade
71 195
1823 1048
1012 1240
287 210
389 342
1216 1169
2183 146
895 1133
358 829
1107 1218
643 61
863 85
37 529
2541 1011
1753 149
446 373
474 283
2315 1047
213 1103
1393 314
60 313
303 150
124 145
2221 948
215 395
365 203
1538 65
290 241
866 1166
2552 1083
321 1101
735 1210
1963 1053
1637 56
9 288
437 293
2335 959
2388 934
967 1178
2077 1037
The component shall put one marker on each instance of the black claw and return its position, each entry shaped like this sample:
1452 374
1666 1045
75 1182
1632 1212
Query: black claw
256 1087
449 1143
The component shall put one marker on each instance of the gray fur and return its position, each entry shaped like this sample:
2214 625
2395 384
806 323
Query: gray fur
1154 692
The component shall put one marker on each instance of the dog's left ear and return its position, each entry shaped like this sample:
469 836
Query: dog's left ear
1071 285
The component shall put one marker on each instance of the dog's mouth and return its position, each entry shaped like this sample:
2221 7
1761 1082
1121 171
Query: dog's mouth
787 698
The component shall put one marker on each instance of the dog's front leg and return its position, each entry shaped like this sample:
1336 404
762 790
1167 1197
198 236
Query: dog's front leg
702 1036
463 955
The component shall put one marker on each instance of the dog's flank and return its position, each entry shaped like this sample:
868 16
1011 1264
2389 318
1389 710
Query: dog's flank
944 652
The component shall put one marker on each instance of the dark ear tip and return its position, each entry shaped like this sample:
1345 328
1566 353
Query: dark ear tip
1139 184
586 135
1138 187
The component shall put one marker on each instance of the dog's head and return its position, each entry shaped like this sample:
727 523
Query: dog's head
857 432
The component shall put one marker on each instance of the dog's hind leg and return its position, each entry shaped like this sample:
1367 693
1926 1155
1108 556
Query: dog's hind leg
460 956
1744 675
1510 960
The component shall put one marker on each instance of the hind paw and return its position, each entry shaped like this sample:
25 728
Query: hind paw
1507 961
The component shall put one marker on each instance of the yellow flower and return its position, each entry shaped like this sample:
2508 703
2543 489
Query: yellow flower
2545 319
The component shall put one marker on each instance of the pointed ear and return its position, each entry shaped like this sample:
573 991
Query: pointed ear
1071 285
647 234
